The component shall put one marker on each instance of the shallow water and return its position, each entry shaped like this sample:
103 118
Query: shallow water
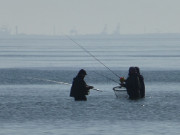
48 109
30 106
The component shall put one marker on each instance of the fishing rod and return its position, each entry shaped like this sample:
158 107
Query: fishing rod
106 77
58 82
92 55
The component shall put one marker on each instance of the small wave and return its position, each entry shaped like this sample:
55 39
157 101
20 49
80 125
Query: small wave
25 76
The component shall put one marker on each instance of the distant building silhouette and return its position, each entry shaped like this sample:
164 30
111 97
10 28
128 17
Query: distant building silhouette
104 31
4 31
16 30
73 32
117 30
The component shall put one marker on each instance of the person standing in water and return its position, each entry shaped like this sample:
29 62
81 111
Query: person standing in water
132 84
79 88
141 79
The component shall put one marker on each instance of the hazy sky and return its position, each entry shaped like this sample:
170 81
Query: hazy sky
90 16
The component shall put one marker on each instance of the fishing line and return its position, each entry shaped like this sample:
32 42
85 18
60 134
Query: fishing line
58 82
92 55
105 77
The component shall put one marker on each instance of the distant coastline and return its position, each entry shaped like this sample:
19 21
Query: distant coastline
92 36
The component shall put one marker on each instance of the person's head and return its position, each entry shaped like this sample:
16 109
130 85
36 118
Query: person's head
82 73
132 70
137 70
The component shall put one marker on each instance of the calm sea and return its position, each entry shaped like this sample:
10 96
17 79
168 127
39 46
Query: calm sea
30 106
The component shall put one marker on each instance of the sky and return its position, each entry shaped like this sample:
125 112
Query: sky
90 16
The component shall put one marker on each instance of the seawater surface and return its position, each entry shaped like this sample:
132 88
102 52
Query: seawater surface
30 106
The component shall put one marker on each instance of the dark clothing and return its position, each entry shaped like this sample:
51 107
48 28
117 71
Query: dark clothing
79 89
142 89
133 86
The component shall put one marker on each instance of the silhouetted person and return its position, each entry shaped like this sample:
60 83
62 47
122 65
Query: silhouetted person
141 79
79 88
132 84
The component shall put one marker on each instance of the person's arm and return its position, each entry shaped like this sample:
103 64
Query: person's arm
89 87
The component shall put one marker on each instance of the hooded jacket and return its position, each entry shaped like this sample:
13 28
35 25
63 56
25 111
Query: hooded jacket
133 86
142 89
79 87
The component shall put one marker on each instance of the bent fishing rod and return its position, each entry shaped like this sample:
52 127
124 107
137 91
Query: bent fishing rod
58 82
92 55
